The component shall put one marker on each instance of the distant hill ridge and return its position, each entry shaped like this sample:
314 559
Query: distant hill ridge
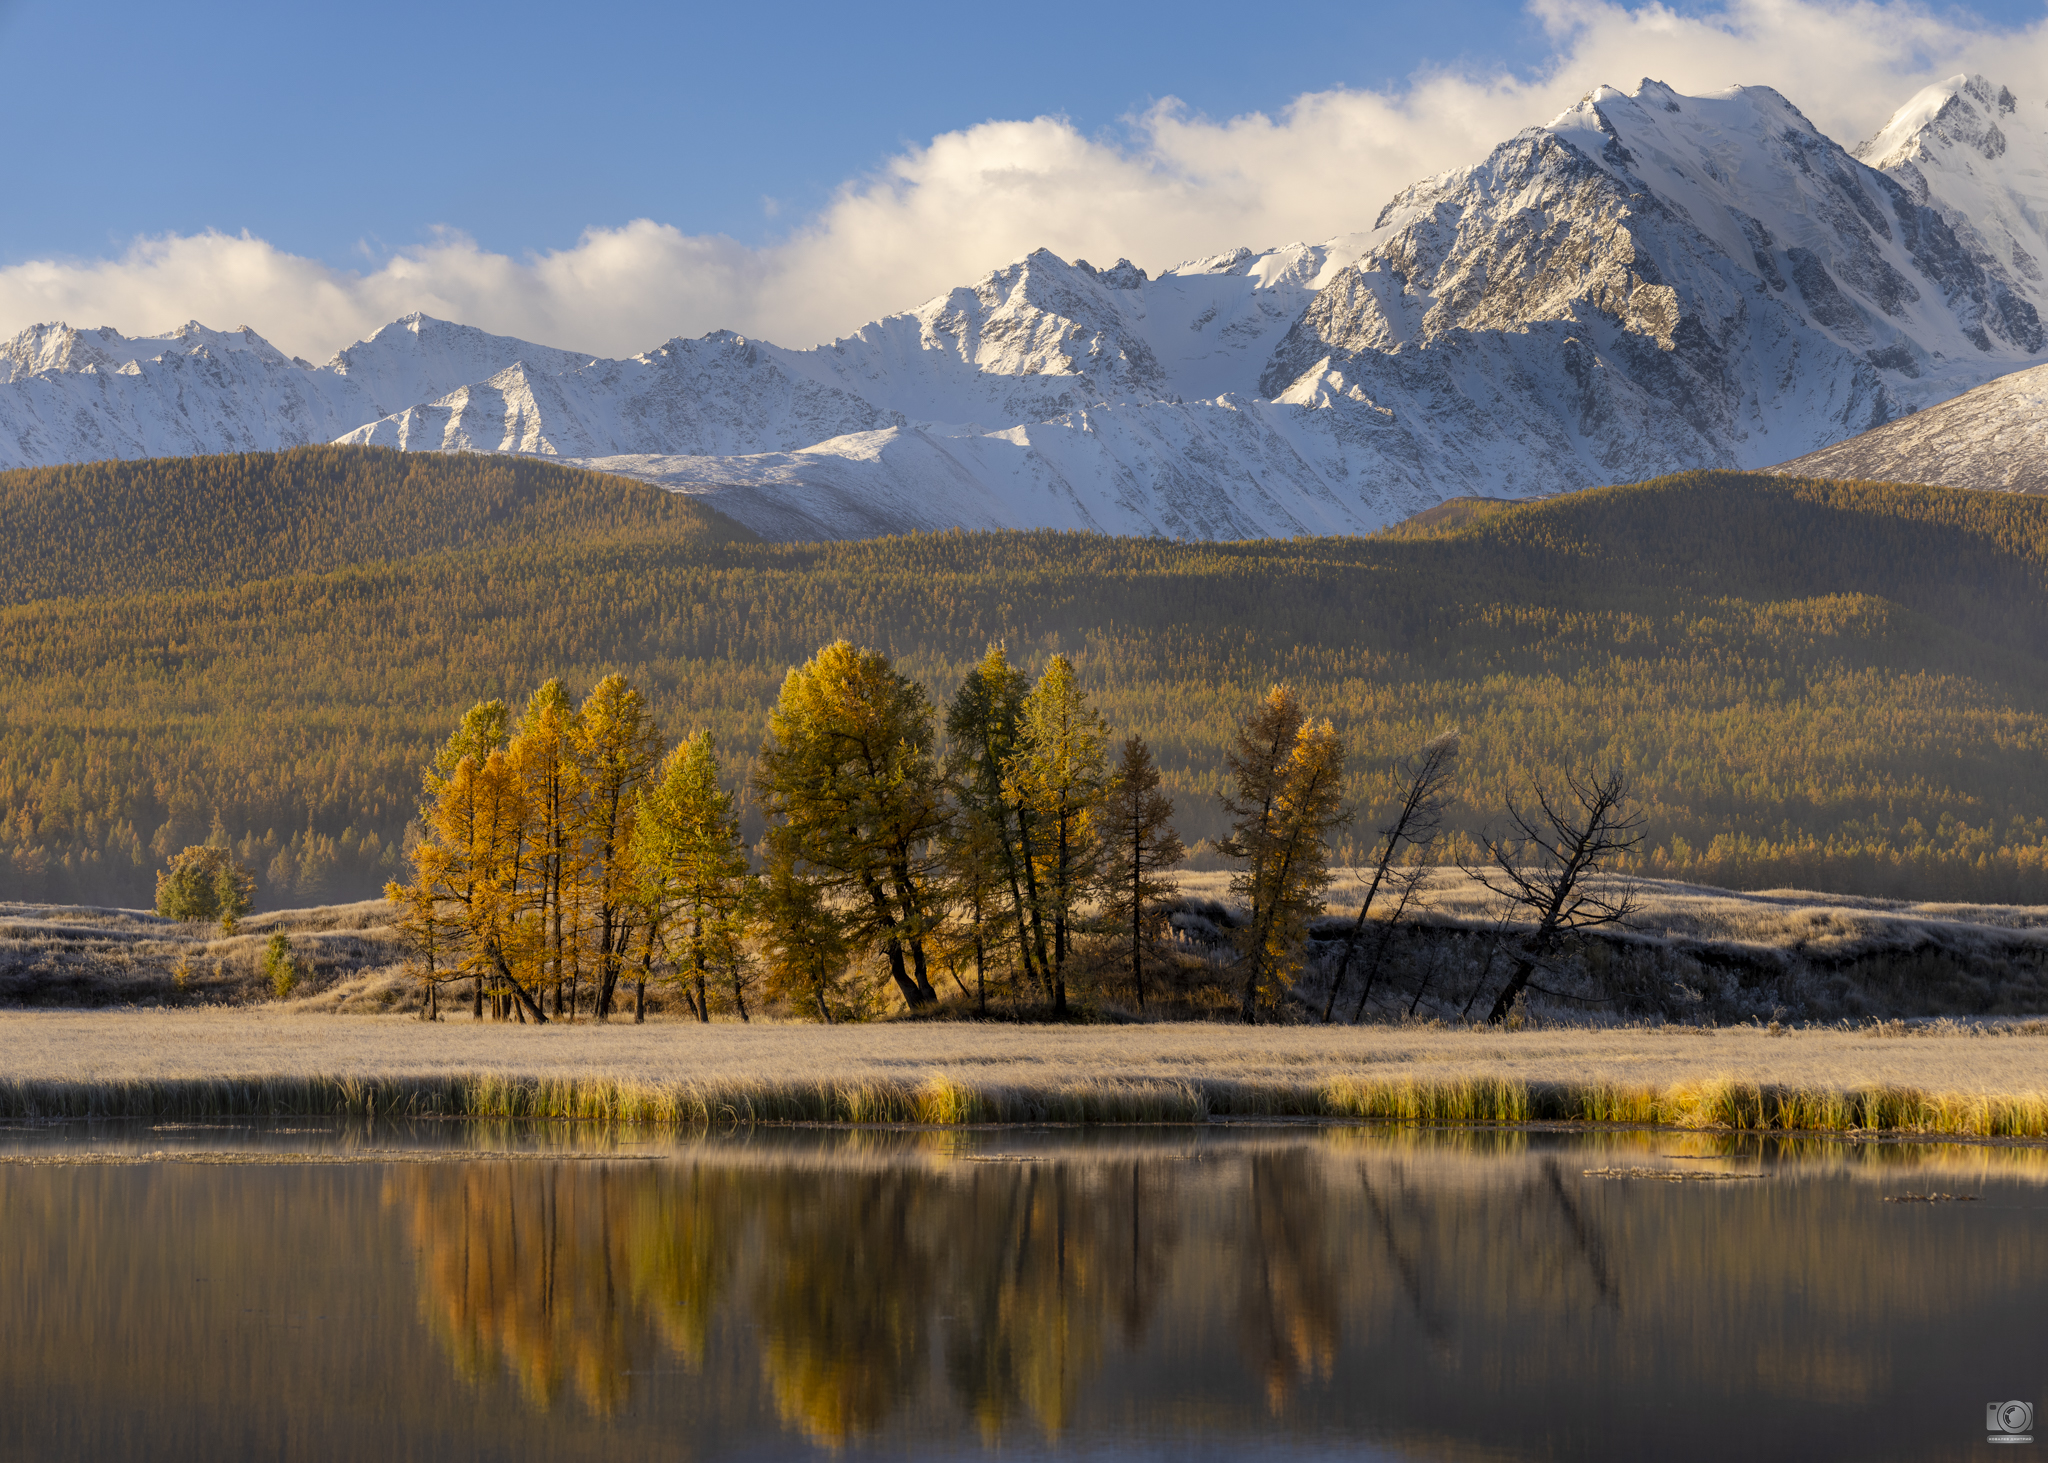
1821 684
122 528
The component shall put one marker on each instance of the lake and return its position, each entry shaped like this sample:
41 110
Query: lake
313 1290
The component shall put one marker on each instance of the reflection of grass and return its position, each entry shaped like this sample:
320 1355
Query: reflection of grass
947 1100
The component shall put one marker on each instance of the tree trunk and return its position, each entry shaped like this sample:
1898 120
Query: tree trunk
906 900
893 947
476 1008
518 991
1357 928
1137 915
1031 895
640 1002
1517 983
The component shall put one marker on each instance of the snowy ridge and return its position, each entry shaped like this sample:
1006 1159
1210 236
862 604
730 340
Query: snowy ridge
1647 283
1994 438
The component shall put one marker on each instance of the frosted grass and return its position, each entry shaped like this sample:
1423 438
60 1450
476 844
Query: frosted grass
1954 1079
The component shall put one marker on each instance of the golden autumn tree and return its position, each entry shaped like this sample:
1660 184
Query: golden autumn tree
1060 771
616 747
474 862
1289 797
544 753
695 875
855 803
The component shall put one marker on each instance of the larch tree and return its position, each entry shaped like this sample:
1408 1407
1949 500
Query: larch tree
544 752
423 925
991 842
616 747
1257 762
1139 844
693 867
1060 771
474 860
805 939
482 731
856 802
1288 807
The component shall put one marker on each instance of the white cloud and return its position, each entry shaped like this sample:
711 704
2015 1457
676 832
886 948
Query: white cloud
1170 187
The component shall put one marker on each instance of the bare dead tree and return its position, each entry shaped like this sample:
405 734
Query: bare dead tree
1504 913
1405 883
1544 864
1417 819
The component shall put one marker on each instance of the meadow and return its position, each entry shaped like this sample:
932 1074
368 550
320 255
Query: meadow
1981 1081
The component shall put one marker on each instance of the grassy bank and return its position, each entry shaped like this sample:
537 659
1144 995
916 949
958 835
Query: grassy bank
1988 1082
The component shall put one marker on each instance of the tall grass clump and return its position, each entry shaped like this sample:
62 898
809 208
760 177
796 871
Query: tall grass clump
945 1100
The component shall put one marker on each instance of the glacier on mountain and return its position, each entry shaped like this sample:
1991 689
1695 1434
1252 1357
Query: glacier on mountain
1647 283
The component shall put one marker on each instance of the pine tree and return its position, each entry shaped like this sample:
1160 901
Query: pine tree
1138 844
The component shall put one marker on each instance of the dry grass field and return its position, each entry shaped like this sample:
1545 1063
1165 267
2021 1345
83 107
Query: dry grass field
1769 1010
1948 1078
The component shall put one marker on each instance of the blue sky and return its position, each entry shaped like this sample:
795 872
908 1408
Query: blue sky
324 127
347 141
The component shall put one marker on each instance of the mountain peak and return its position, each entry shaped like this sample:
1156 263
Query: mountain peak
1963 111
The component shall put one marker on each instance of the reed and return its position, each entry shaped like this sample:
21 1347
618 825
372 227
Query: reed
948 1100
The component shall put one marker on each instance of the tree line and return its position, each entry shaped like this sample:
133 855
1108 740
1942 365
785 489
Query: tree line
565 856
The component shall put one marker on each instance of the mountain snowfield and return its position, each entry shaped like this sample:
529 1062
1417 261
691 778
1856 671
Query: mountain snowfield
1648 283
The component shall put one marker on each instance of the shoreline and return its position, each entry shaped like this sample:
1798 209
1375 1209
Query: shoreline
1959 1082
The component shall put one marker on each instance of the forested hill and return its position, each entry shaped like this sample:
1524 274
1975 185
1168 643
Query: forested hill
101 528
1834 685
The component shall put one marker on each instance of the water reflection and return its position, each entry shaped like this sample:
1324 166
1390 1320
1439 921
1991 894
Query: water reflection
1292 1292
1011 1275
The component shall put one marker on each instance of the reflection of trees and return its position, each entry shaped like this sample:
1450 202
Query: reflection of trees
843 1298
521 1262
1013 1274
680 1246
1288 1296
1047 1259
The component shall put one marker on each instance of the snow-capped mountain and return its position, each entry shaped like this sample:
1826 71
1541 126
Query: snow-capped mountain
1647 283
1994 438
83 395
1978 156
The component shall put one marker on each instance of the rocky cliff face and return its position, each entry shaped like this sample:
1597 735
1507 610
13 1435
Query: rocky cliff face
1649 282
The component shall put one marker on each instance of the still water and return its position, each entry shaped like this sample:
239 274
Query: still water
307 1291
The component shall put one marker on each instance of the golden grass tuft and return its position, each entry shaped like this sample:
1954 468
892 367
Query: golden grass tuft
946 1100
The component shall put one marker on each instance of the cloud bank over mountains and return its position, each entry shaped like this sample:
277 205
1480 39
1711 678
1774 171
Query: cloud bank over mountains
1168 186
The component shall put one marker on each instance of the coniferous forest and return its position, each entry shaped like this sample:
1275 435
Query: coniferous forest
1831 685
